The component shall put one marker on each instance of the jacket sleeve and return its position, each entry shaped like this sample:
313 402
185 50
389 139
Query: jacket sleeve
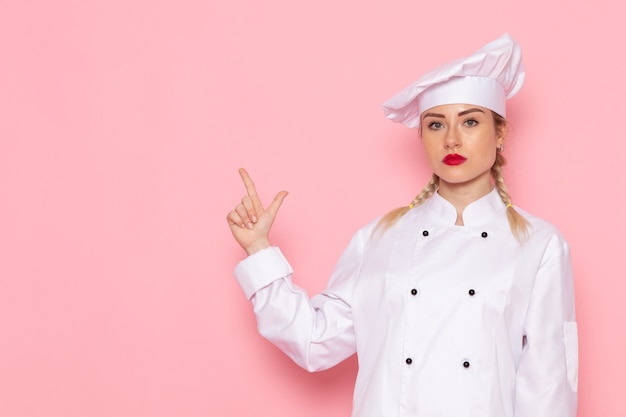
316 333
547 376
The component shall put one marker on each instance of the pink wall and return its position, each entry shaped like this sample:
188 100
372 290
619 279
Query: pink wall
123 123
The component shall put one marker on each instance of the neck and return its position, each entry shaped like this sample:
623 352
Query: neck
462 195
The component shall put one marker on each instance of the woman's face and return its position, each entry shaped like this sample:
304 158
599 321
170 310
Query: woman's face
460 142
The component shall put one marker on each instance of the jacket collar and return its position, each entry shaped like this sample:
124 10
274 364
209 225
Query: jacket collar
484 210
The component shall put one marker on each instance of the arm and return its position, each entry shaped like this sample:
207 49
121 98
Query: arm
547 377
316 333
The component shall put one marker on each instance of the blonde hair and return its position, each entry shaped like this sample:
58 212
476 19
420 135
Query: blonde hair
518 224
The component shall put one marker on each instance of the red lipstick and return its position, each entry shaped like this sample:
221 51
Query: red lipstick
454 159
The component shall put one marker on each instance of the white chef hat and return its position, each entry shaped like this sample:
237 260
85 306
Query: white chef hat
486 78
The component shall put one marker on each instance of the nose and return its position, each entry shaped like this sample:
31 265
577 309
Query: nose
452 139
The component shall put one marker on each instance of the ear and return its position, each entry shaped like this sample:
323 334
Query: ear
501 134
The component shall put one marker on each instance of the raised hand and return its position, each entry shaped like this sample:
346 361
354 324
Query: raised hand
249 222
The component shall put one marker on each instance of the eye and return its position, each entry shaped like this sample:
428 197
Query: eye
435 125
471 122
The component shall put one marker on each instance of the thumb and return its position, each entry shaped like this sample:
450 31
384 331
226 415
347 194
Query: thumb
276 203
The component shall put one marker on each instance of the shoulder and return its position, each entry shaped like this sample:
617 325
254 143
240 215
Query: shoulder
539 225
542 232
379 233
366 232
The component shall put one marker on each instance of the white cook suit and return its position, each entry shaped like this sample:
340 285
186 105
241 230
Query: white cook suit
446 320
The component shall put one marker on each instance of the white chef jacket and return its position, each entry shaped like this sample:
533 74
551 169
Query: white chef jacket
446 320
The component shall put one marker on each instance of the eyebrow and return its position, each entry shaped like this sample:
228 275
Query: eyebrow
472 110
463 113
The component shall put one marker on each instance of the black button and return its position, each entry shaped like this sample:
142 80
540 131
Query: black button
466 364
425 233
413 291
409 361
471 292
484 234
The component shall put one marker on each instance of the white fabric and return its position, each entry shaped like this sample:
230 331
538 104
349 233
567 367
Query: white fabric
516 332
479 91
486 78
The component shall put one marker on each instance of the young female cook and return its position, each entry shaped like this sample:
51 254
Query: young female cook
458 305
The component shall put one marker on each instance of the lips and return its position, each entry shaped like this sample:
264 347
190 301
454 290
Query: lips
454 159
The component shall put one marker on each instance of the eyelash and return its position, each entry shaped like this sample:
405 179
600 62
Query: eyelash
438 125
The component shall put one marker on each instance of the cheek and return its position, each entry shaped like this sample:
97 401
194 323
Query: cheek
487 147
491 159
433 153
488 159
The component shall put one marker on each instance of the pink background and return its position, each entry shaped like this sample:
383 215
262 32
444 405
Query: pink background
123 123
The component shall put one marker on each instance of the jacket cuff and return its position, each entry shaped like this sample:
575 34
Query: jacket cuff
261 269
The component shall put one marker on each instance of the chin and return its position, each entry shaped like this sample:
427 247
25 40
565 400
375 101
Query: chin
475 181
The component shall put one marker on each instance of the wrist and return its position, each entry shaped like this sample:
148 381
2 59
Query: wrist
257 246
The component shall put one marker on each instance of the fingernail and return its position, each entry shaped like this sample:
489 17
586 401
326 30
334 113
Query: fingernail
254 219
250 226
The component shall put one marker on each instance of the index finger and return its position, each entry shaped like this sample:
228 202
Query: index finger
247 181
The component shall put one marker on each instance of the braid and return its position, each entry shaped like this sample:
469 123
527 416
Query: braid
426 192
519 225
498 177
394 215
